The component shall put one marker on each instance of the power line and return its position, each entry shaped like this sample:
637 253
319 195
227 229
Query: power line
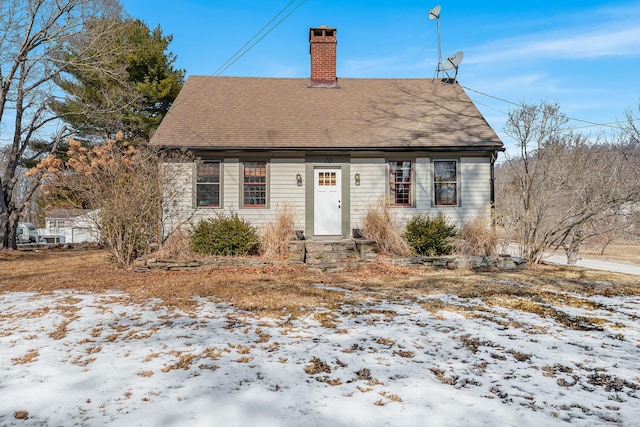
588 123
250 44
242 51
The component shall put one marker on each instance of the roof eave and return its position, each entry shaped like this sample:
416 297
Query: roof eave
488 148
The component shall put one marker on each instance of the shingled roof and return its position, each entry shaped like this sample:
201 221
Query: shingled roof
246 113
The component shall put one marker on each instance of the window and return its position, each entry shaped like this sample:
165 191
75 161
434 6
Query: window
400 183
255 184
208 184
445 180
327 179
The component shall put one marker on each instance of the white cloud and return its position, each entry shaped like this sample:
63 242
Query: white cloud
616 36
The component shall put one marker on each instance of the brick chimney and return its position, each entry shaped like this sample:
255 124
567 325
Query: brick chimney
323 42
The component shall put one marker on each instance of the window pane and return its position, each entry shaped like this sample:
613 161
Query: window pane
255 171
255 195
208 184
402 194
446 194
208 195
444 171
400 183
400 171
209 172
255 188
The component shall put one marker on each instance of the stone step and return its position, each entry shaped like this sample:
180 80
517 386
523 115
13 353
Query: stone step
316 252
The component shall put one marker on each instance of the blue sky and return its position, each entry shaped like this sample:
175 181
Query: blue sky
584 55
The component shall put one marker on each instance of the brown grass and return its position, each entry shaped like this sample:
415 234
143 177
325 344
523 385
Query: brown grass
622 250
278 290
317 366
378 225
477 238
177 246
27 358
275 236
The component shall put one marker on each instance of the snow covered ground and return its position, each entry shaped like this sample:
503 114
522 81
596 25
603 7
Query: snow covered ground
72 358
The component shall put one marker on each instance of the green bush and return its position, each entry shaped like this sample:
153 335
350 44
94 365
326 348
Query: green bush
431 236
224 235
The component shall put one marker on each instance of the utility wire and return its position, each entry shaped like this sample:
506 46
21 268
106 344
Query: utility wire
587 122
250 44
242 51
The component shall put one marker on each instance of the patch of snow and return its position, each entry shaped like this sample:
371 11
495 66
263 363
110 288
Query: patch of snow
72 358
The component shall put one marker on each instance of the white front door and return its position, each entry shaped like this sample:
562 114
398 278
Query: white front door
327 210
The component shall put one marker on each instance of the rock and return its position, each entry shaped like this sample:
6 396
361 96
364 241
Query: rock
21 415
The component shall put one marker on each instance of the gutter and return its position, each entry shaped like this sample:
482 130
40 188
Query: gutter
493 149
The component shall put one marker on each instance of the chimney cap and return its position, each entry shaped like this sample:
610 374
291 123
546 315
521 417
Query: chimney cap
322 31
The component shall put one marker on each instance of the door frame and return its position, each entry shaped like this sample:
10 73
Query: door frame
337 161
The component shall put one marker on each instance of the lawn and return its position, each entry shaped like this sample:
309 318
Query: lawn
84 343
619 250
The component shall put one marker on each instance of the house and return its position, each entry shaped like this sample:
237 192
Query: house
329 148
70 226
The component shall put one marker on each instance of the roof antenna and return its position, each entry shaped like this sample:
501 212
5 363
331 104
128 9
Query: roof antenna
452 63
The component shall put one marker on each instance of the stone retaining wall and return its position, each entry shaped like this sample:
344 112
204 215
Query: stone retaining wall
445 262
476 263
154 264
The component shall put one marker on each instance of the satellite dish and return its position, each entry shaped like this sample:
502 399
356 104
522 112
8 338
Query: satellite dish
434 13
452 62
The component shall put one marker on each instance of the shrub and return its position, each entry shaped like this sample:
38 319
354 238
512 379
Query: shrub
224 235
476 237
429 235
275 236
378 225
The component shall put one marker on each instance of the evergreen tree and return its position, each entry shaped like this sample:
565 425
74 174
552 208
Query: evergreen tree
129 96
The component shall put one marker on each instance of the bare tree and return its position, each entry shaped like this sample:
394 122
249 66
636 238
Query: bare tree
126 187
563 188
523 202
596 183
35 34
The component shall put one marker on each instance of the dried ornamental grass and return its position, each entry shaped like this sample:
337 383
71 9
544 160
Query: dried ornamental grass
275 236
477 237
378 225
176 246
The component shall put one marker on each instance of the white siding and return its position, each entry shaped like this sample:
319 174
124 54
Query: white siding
282 190
474 187
421 193
474 180
178 200
372 189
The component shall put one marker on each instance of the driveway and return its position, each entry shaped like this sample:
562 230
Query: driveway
597 264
